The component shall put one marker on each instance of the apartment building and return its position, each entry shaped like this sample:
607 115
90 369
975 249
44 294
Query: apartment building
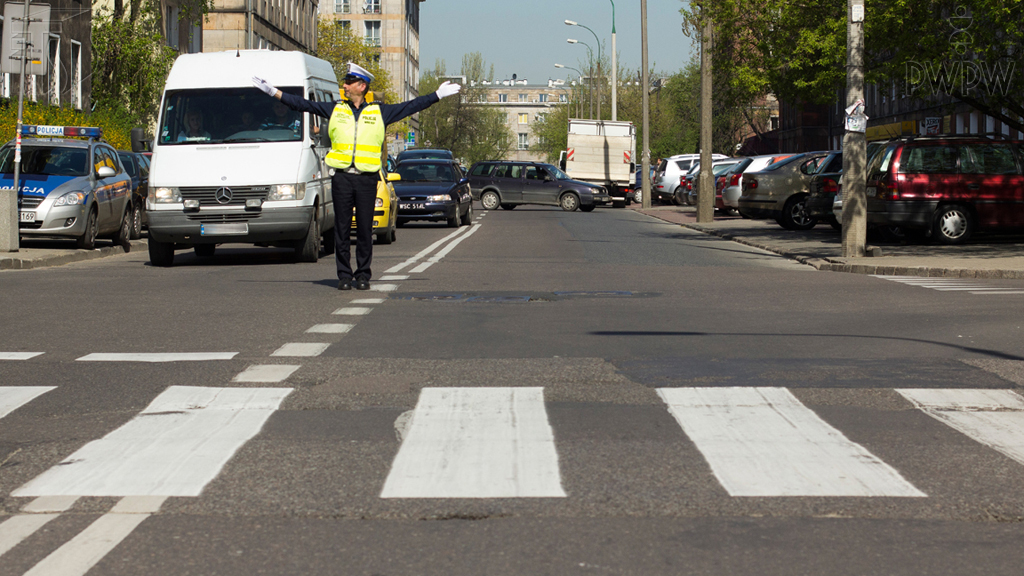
255 24
523 105
394 26
68 59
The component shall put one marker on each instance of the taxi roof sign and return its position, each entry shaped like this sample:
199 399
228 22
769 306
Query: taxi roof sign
61 131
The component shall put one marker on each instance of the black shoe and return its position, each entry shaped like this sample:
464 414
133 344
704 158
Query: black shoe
362 284
345 284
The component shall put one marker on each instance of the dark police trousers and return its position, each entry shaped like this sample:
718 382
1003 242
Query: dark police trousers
348 190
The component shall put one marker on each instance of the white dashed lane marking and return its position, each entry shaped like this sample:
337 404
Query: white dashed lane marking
352 311
158 357
393 277
330 329
368 301
383 287
301 349
18 355
266 373
971 285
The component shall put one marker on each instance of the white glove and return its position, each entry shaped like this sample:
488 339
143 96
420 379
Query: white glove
264 86
448 89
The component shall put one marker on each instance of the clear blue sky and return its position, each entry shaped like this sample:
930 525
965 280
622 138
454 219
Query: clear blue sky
527 37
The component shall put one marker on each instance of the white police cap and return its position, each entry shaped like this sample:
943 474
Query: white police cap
359 72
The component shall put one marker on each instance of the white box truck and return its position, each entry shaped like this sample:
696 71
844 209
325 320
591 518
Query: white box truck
233 165
601 152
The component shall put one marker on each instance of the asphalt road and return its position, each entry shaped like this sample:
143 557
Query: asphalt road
541 393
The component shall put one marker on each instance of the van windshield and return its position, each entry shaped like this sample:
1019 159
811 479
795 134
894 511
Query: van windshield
225 115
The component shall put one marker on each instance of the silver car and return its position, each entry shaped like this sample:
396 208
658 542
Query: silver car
734 187
70 189
666 182
780 191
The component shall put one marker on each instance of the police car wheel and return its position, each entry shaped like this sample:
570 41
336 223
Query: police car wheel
87 241
124 233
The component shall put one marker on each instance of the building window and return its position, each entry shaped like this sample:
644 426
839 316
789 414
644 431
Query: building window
524 141
371 7
53 83
539 117
372 36
342 6
563 98
523 98
523 118
344 24
76 75
543 98
502 97
171 21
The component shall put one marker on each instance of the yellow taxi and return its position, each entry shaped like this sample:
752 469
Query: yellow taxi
385 207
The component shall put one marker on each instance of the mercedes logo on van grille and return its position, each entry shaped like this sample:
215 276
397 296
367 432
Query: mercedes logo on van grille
222 195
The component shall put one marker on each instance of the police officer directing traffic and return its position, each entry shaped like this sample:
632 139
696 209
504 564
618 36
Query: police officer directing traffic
357 129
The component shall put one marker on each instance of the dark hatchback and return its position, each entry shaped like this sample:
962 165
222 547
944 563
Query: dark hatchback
435 190
137 166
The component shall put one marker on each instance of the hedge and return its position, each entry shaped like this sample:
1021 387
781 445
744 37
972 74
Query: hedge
116 129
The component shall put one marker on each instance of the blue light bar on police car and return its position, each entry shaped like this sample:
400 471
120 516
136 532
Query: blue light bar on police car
67 131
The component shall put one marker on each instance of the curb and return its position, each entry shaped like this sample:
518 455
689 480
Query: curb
59 259
831 265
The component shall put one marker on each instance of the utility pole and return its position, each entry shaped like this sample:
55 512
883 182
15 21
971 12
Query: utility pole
854 139
706 178
645 162
615 68
11 241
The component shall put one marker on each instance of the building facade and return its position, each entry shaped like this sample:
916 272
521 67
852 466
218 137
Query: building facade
255 24
523 104
394 26
67 81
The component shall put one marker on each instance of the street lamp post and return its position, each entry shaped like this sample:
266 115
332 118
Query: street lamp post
578 112
572 23
590 80
615 70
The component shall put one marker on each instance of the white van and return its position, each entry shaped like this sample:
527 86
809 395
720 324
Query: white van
233 165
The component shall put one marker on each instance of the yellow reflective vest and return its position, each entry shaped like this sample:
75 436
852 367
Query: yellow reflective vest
356 142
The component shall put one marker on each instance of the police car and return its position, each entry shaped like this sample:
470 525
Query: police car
71 185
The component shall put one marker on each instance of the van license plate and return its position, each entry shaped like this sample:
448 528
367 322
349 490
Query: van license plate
240 228
27 217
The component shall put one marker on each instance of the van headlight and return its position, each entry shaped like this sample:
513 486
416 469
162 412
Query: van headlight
281 192
70 199
165 196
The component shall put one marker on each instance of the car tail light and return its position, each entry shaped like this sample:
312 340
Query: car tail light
750 183
890 191
735 180
830 186
689 184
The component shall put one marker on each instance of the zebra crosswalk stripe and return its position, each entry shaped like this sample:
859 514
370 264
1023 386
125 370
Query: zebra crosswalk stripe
14 397
994 418
765 442
477 443
174 447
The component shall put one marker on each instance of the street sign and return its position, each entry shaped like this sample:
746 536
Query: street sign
412 138
15 39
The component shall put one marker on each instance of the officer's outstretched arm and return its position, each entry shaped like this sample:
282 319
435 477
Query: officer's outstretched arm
266 87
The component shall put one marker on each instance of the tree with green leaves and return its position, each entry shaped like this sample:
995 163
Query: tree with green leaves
130 61
465 125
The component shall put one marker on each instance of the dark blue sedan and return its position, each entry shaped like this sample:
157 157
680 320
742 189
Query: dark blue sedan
435 190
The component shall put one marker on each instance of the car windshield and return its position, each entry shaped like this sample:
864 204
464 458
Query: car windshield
47 161
219 115
558 174
424 154
426 172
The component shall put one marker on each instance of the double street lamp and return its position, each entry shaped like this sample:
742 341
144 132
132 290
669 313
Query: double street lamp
573 23
580 76
590 78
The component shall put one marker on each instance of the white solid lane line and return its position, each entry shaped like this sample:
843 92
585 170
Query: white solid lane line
266 373
301 349
81 553
18 355
159 357
368 301
330 329
999 292
352 311
174 447
477 443
441 254
14 397
994 418
422 253
765 442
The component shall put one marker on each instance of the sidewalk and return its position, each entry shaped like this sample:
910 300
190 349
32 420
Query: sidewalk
821 247
46 253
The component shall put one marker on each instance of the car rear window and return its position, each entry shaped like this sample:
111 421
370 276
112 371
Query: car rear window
928 159
783 162
987 158
684 165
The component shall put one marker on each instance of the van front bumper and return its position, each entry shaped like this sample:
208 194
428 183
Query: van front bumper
207 227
